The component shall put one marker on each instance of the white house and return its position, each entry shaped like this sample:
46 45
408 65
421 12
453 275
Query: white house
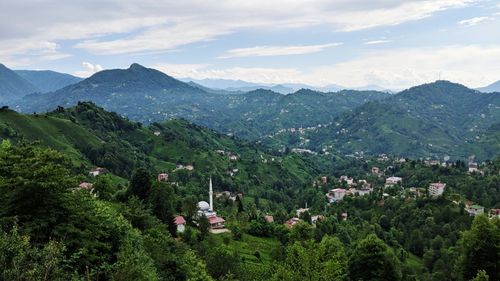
390 181
336 194
475 210
473 167
181 223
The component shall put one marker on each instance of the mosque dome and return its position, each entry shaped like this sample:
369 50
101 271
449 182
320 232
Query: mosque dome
203 206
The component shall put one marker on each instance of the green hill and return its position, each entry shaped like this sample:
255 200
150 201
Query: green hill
430 120
92 137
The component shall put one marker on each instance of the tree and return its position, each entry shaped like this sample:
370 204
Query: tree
222 262
372 260
20 260
314 261
103 186
34 183
162 200
481 276
140 184
239 204
480 249
203 226
301 231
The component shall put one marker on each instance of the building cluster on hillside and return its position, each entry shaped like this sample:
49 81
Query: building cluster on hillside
231 156
290 223
188 167
229 195
360 187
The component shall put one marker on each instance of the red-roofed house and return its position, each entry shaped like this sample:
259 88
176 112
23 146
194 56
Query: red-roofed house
181 223
216 222
162 177
292 222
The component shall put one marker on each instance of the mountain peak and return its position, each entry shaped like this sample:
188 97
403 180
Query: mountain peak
136 66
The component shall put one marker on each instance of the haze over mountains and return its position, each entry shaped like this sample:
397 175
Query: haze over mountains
494 87
284 88
431 120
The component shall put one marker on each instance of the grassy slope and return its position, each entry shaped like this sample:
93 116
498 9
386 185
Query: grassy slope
60 134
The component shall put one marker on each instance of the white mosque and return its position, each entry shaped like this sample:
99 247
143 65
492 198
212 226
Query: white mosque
207 210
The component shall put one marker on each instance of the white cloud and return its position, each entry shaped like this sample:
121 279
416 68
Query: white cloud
375 42
262 51
150 25
88 69
474 21
402 68
16 53
250 74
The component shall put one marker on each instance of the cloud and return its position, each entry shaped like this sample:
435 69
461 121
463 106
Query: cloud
129 26
374 42
17 53
262 51
250 74
402 68
88 69
474 21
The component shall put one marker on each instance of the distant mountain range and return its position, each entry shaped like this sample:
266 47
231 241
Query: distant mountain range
15 84
47 80
430 120
284 88
494 87
148 95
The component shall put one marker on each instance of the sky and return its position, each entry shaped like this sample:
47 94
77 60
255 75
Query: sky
394 44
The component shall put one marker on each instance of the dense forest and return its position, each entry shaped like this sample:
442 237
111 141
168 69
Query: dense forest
52 228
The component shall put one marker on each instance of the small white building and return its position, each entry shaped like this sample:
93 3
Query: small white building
181 223
390 181
336 194
473 167
97 171
474 210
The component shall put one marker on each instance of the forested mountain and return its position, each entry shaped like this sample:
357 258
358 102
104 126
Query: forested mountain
147 95
47 80
430 120
92 137
13 86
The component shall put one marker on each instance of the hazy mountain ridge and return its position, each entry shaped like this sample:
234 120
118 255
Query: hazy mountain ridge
48 80
13 86
148 95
